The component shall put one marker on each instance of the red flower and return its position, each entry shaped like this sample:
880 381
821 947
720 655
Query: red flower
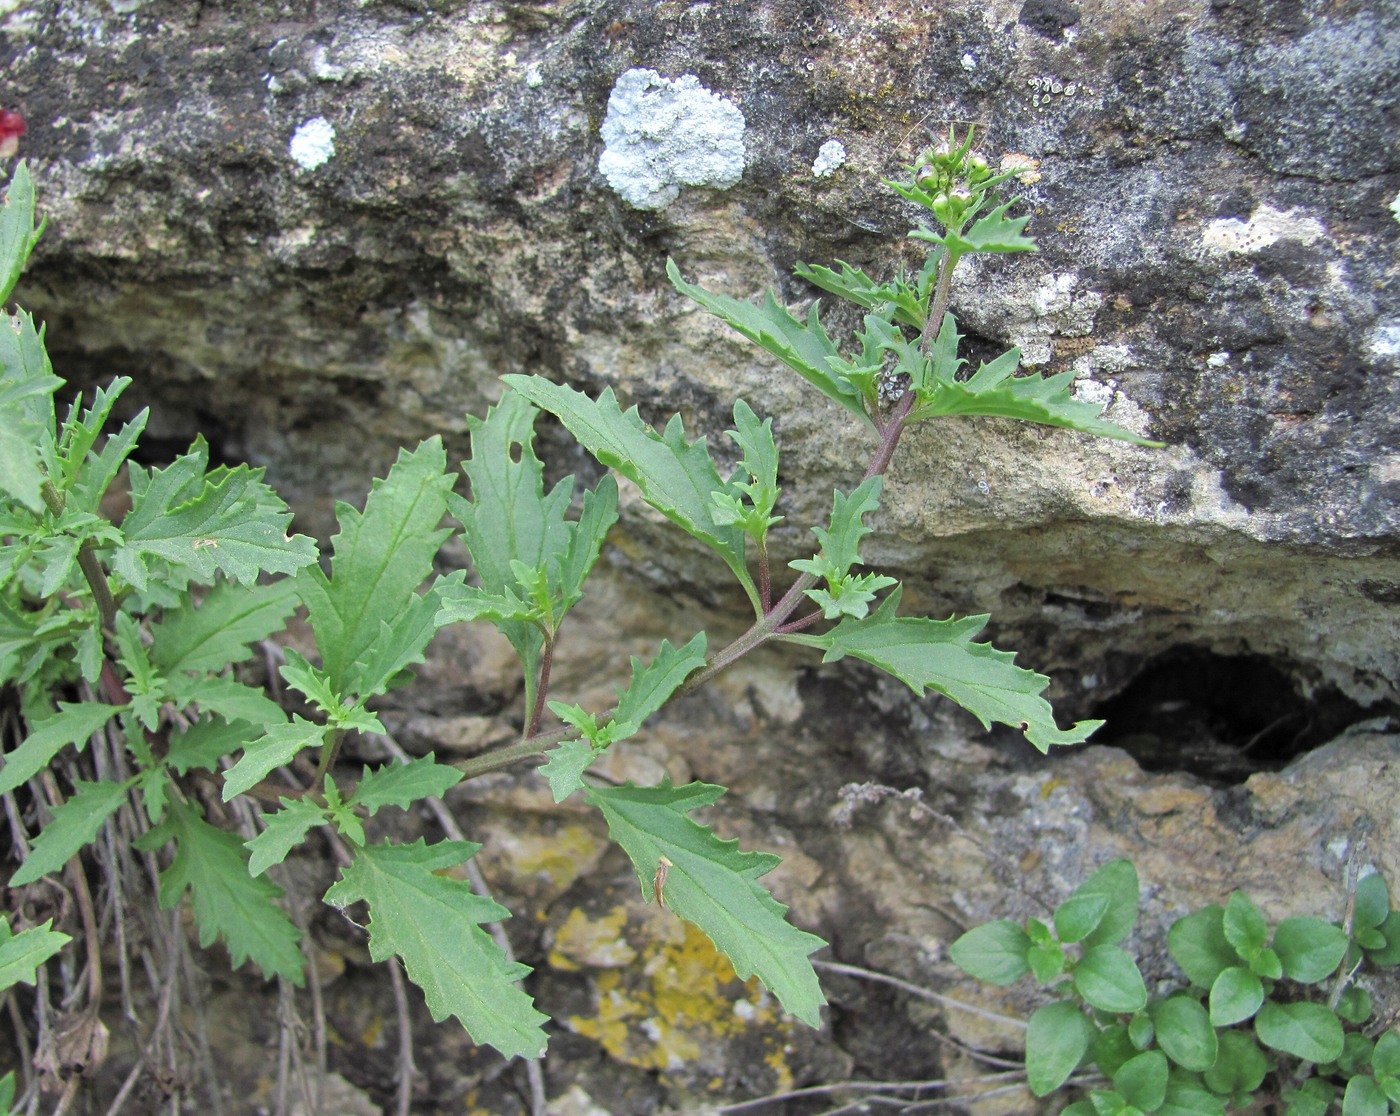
12 126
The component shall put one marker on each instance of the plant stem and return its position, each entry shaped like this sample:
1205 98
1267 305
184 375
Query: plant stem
541 686
87 562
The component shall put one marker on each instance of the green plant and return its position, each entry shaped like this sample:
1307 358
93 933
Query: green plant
1263 1019
133 632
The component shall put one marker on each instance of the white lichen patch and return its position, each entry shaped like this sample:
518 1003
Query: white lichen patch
1395 206
660 135
1265 226
830 156
313 143
1384 341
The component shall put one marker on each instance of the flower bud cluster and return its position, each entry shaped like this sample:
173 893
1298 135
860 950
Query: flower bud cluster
950 175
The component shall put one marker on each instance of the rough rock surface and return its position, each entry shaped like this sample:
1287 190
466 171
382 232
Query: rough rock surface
1217 261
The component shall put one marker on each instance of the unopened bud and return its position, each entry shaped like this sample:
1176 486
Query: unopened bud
925 174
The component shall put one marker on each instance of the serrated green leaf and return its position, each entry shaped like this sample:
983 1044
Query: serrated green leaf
432 922
204 743
760 464
284 831
403 784
27 384
1057 1038
994 952
1107 978
220 629
675 476
22 953
200 522
276 747
510 519
565 765
854 284
228 903
1198 944
994 391
652 684
1184 1032
1309 949
72 724
226 697
1235 996
382 555
403 641
73 826
805 348
940 655
1308 1031
841 550
712 884
18 233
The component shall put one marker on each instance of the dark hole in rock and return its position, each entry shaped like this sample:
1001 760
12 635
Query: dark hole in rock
1219 717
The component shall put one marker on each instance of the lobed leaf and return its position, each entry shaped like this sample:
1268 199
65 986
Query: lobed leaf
403 784
18 233
228 903
73 826
433 922
566 764
806 349
675 476
939 655
278 746
382 555
72 724
27 384
195 522
712 884
22 953
284 831
906 300
217 631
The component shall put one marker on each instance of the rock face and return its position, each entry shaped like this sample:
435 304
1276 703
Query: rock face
317 231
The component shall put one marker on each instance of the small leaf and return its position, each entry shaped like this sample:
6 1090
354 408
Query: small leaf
204 743
714 885
1047 961
1187 1098
1309 949
228 903
1372 901
652 685
1142 1081
27 385
1078 916
1057 1038
18 233
73 826
1235 996
1117 881
1198 944
284 831
760 463
994 952
1313 1098
1240 1067
1184 1033
404 784
1112 1048
72 724
1364 1097
1244 926
1308 1031
1108 979
433 922
22 953
565 767
1354 1005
